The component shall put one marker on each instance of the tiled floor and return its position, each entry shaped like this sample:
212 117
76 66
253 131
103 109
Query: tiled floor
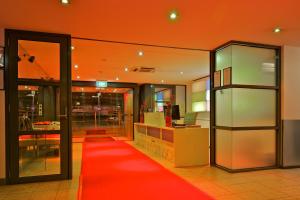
56 190
268 184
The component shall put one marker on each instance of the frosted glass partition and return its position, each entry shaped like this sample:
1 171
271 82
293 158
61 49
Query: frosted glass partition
224 148
224 107
238 107
245 149
246 119
250 65
253 148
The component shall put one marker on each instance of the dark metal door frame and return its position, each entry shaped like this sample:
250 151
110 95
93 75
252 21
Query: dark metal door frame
11 84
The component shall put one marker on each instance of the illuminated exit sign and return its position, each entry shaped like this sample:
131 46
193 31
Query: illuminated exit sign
101 84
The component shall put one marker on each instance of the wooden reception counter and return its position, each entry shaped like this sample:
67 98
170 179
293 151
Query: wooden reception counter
183 146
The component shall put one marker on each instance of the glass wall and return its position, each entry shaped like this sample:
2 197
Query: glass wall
101 111
39 119
245 109
39 127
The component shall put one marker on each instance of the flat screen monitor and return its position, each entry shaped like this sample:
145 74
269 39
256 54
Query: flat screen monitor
175 112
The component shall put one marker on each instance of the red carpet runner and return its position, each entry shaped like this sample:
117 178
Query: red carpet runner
113 170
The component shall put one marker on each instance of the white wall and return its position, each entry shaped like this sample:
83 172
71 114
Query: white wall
290 83
2 121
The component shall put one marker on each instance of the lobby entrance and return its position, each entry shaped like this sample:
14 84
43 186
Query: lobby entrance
102 112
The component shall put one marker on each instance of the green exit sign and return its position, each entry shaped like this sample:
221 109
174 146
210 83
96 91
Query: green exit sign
101 84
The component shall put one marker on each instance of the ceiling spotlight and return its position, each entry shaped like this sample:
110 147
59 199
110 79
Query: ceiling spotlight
181 73
81 89
162 81
126 69
78 77
65 2
117 78
76 66
31 59
140 53
72 47
277 30
173 15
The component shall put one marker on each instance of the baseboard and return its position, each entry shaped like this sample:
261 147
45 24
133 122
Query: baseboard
2 181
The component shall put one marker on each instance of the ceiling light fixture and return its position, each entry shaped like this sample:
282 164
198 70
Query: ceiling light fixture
277 30
65 2
78 77
173 15
126 69
162 81
140 53
72 47
117 78
76 66
181 73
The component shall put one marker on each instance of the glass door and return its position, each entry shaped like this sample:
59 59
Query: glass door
102 112
39 106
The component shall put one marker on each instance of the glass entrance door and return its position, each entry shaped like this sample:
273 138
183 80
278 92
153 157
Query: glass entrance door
39 106
102 112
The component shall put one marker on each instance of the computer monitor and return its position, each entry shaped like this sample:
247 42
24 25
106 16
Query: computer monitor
175 112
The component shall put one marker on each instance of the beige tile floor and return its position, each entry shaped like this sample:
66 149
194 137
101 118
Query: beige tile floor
55 190
268 184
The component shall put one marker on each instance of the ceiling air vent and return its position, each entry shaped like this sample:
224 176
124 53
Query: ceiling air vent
143 69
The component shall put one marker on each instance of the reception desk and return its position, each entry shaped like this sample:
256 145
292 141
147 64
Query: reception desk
183 146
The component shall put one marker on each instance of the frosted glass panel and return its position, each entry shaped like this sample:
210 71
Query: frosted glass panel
253 107
250 65
223 60
239 107
224 107
253 66
224 148
255 148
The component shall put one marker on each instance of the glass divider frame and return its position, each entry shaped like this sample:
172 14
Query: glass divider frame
11 73
277 88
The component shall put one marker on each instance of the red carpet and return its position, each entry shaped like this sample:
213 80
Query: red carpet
114 170
98 139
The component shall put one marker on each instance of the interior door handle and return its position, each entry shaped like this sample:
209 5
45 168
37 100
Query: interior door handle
65 116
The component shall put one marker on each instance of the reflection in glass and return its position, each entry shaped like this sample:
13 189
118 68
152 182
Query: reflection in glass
39 130
102 111
38 60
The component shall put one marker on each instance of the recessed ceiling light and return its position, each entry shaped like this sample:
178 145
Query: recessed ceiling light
65 2
72 47
81 89
126 69
162 81
181 73
277 30
140 53
78 77
76 66
117 78
173 15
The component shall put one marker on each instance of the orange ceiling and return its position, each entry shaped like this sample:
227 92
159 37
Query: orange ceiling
107 61
202 23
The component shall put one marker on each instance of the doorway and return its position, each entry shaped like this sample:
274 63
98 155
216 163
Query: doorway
102 112
38 104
